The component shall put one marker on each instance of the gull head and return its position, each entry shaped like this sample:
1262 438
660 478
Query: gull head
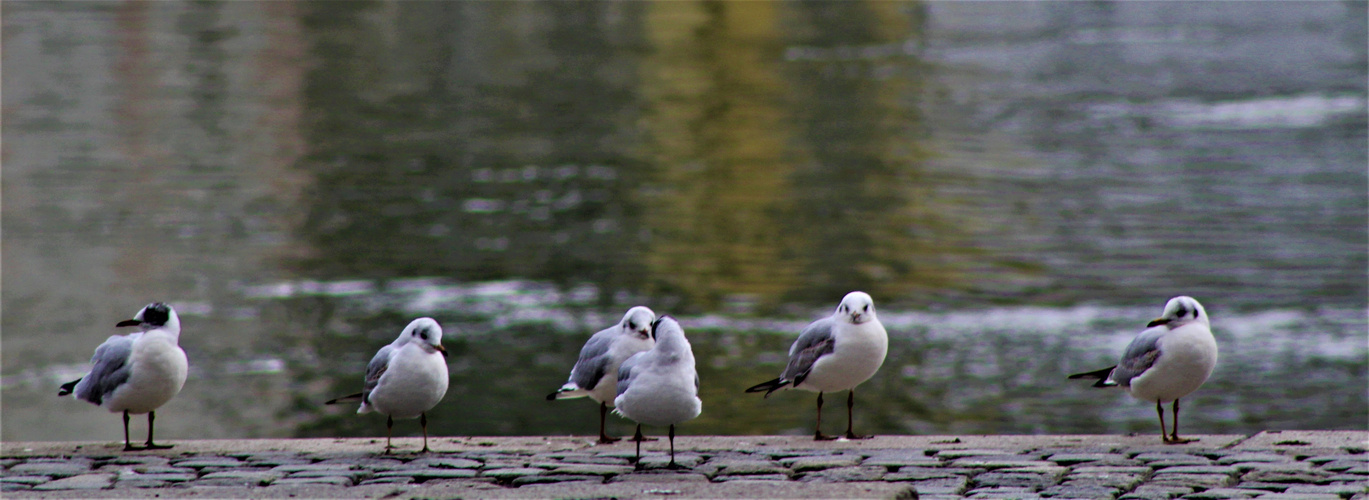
154 315
1180 311
426 333
665 327
856 308
638 321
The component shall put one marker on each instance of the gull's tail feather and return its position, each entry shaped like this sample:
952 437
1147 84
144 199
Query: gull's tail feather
1101 375
68 387
768 386
350 398
568 391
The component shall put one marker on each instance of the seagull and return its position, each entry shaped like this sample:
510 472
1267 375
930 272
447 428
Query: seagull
835 353
136 373
660 386
1168 360
406 378
596 372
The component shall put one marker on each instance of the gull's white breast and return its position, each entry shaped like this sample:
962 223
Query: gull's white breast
858 353
414 382
1188 355
157 372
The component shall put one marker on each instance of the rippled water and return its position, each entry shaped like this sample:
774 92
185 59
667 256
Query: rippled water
1020 185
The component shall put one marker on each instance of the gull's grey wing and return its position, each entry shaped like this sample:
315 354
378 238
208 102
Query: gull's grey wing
814 342
111 369
625 374
1141 353
594 361
375 369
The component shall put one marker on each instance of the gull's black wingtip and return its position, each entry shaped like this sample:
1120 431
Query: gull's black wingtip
768 386
1101 375
345 399
552 396
68 387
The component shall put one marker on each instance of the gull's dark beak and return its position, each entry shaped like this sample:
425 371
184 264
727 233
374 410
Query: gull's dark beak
129 322
1157 322
441 349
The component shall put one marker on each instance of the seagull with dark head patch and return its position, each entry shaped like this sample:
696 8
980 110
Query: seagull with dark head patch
136 373
1168 360
406 378
596 372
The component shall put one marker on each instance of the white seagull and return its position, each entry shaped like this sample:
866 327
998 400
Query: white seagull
835 353
660 386
136 373
1170 359
406 378
596 372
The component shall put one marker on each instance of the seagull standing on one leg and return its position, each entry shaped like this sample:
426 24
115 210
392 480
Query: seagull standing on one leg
1170 359
136 373
596 372
835 353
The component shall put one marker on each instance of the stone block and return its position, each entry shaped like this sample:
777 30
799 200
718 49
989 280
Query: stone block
555 478
846 474
1253 457
1014 480
51 468
1194 480
503 474
81 482
200 462
295 481
812 463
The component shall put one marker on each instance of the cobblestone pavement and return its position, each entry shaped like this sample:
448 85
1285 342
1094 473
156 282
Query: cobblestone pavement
1304 466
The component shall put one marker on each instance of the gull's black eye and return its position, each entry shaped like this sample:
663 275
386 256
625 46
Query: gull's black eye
866 308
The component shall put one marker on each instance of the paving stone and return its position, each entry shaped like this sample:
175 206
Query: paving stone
750 467
1152 491
52 468
596 459
592 469
1273 476
353 474
1172 459
1222 493
1080 491
1253 457
1079 458
1003 493
15 487
508 473
168 477
846 474
954 454
1347 466
1122 481
999 462
906 459
29 480
1299 496
155 469
554 478
1055 471
920 473
1349 478
1105 469
811 463
1197 469
428 473
389 480
1342 489
81 482
1274 487
275 460
941 486
368 463
751 477
241 477
1321 459
333 480
1273 466
292 468
6 462
1194 480
144 460
140 483
653 461
1014 480
661 477
201 462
